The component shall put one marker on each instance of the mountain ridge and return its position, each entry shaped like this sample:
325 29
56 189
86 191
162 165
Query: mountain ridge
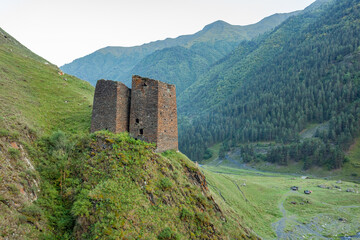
116 63
270 89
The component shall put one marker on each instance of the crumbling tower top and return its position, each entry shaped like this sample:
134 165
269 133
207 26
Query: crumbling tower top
111 107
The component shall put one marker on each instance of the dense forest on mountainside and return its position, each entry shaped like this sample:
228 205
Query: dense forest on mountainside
174 60
305 71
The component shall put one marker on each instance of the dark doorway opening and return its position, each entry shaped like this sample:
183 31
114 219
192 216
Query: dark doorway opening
137 120
141 131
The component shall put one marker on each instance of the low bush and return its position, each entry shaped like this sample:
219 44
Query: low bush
185 214
165 184
14 153
168 234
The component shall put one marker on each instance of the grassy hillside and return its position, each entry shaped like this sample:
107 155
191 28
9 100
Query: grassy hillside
304 72
265 202
112 186
34 94
35 100
352 167
58 181
118 63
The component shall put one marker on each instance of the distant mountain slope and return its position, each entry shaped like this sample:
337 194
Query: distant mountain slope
305 71
117 63
177 65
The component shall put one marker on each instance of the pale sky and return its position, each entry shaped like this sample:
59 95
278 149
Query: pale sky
63 30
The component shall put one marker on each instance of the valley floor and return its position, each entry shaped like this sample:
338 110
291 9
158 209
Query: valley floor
266 204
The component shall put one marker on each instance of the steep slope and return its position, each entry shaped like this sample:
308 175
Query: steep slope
35 99
35 93
305 71
247 59
60 182
113 186
117 63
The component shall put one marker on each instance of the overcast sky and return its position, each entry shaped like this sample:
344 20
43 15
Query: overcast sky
63 30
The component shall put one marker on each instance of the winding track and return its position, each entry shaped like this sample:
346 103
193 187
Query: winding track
280 225
300 230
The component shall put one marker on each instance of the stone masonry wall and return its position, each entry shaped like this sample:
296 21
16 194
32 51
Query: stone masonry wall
122 108
144 109
167 118
111 107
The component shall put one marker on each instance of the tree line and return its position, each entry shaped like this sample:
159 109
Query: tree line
307 72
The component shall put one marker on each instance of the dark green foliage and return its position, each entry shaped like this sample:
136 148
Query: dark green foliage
4 132
14 153
247 153
207 154
165 184
167 234
305 71
313 152
224 148
185 214
32 211
82 205
221 153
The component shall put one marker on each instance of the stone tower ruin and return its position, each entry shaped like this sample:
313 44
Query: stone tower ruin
147 111
111 107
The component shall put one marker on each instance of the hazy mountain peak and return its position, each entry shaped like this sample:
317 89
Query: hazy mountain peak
215 40
318 3
216 24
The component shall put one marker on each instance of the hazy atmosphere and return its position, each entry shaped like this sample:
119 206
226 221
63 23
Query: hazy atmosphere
177 120
61 31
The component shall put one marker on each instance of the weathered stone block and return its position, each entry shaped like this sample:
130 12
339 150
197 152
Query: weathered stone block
111 107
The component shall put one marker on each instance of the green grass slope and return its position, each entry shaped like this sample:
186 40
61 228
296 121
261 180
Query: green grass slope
35 95
351 169
265 203
35 100
115 187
